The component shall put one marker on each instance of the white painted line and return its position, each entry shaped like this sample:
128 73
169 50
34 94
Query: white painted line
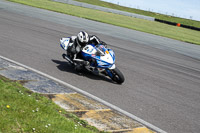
91 96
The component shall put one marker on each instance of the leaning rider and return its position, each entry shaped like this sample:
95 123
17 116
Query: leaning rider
76 45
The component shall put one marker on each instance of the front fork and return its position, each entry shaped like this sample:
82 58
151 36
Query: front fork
109 71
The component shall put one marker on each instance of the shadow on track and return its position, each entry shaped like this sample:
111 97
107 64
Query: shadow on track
67 67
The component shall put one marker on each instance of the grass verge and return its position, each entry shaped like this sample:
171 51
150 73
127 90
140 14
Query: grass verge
24 111
142 12
156 28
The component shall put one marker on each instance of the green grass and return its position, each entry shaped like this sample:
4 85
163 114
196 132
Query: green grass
142 12
23 111
157 28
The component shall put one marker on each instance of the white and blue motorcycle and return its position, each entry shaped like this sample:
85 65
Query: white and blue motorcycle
101 59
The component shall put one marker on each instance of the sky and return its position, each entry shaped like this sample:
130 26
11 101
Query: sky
189 9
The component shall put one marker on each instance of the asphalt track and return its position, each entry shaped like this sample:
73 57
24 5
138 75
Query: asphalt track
162 83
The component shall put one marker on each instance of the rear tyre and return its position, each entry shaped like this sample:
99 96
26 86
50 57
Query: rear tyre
117 76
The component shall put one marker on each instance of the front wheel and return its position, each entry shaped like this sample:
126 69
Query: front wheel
117 76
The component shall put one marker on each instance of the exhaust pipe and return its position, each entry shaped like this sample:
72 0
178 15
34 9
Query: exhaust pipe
67 58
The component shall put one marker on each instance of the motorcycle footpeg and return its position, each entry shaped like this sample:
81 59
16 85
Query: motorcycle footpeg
95 71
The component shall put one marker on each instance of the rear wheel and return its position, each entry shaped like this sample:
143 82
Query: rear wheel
117 76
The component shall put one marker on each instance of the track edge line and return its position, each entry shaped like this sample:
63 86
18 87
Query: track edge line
89 95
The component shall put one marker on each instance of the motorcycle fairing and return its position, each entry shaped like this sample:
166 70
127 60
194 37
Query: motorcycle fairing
104 59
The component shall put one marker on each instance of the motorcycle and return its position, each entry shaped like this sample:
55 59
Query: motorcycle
100 58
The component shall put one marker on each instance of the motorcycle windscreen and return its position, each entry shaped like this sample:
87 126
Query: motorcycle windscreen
101 50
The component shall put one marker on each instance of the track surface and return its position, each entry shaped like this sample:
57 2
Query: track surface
162 86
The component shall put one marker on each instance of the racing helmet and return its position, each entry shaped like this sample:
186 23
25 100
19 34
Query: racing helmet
83 38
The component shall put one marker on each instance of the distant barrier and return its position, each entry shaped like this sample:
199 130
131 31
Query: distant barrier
100 8
177 24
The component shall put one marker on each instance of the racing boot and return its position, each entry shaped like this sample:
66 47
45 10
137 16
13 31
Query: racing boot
86 63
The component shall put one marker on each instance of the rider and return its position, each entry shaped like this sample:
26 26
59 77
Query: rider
76 45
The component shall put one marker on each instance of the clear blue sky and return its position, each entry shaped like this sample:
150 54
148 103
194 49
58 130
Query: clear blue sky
180 8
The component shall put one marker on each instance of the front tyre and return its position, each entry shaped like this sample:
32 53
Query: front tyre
117 76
